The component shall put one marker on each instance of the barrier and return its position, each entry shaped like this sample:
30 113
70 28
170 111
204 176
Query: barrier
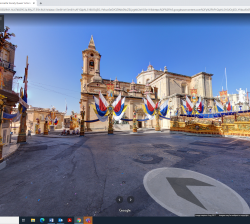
237 124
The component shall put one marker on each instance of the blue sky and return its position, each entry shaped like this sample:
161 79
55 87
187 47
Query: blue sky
186 44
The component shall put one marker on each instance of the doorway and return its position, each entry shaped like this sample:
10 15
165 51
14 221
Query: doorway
139 124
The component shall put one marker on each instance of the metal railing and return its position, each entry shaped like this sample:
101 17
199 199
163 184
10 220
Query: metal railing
6 65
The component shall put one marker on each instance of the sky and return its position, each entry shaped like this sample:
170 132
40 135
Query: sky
186 43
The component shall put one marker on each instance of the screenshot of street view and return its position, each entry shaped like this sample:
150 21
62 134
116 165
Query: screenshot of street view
123 117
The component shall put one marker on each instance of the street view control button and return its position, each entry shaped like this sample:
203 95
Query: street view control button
119 199
130 199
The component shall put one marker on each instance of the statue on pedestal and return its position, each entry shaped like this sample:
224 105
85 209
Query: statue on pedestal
242 95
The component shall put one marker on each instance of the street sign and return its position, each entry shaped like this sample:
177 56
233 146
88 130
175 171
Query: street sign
186 193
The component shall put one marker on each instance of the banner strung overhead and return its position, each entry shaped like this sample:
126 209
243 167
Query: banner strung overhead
223 97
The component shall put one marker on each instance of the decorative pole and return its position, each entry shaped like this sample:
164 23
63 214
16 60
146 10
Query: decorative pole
2 101
46 129
82 122
22 129
110 128
134 122
110 98
157 127
37 126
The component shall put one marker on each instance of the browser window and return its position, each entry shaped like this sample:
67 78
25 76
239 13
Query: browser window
124 111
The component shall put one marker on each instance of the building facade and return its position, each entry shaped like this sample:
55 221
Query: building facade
7 58
35 113
157 84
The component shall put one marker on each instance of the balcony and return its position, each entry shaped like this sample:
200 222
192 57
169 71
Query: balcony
7 65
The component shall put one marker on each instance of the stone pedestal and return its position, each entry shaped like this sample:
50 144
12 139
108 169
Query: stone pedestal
82 128
134 125
46 129
52 128
22 131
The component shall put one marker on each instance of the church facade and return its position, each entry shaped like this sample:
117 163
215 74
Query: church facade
157 84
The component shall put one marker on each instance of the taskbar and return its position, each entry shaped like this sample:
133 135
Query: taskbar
204 218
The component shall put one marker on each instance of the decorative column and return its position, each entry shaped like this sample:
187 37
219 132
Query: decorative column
157 127
82 123
46 129
110 117
36 128
1 119
22 130
134 122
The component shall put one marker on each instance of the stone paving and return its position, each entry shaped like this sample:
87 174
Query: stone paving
84 176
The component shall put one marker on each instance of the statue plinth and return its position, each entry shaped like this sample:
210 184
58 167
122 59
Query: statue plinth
52 128
46 129
82 128
22 131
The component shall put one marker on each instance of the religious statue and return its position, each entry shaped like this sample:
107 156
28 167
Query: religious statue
242 97
73 121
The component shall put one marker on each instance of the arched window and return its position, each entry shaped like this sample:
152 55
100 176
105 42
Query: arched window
147 81
91 64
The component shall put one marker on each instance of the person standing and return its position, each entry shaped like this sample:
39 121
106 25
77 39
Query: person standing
29 133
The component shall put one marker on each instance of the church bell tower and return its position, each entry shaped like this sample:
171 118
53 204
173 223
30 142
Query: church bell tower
91 65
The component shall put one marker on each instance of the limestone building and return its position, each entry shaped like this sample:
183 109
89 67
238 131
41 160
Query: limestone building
34 113
157 83
7 73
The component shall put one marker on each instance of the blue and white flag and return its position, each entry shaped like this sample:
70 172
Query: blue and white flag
218 106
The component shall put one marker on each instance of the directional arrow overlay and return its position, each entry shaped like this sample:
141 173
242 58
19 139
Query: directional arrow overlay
180 187
186 193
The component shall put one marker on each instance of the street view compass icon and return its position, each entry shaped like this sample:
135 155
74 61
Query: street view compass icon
186 193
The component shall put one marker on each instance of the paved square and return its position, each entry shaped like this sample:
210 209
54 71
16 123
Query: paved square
85 176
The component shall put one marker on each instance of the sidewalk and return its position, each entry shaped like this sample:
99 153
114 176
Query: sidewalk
10 149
